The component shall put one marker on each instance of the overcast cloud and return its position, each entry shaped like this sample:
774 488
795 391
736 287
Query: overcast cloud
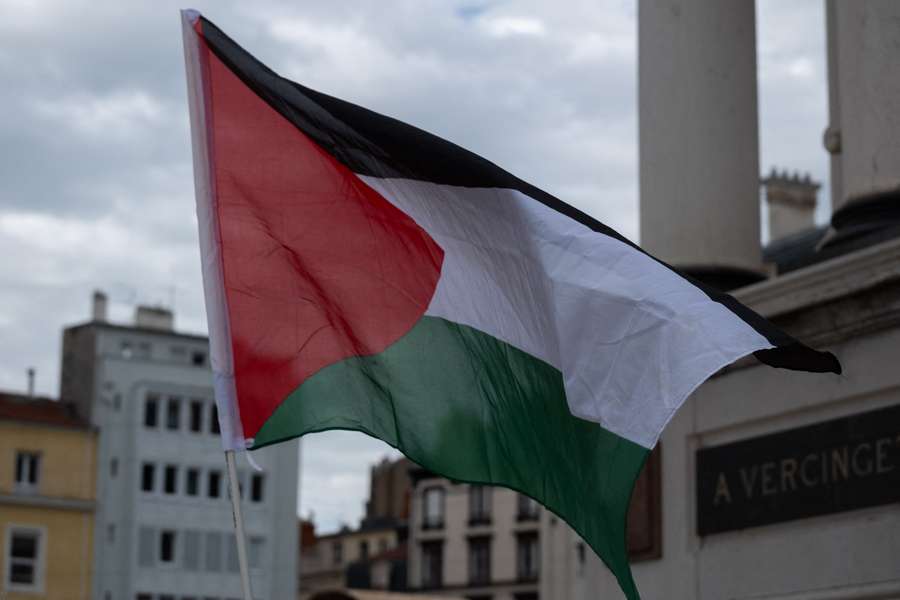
97 190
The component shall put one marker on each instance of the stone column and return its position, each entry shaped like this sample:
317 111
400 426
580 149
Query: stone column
699 140
864 45
863 136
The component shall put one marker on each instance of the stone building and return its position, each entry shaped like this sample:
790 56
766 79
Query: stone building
163 527
774 484
473 541
389 486
372 556
47 499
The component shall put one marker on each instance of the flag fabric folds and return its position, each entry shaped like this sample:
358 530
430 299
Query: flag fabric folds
363 274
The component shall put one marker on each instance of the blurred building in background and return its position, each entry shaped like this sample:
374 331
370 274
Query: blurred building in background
47 491
473 541
372 556
163 527
488 542
776 485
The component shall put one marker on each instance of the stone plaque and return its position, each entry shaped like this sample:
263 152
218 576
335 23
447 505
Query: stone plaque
834 466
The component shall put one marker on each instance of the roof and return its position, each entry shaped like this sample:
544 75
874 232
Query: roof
858 224
134 329
795 250
39 410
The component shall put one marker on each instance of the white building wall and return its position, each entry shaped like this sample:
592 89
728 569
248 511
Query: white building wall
130 365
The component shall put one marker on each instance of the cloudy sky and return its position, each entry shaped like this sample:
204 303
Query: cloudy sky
95 164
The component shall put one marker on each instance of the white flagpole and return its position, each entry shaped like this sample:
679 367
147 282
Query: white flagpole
234 487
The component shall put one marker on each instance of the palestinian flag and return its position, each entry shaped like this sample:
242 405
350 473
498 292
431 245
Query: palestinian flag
363 274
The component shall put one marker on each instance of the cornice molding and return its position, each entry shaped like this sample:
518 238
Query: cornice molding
829 280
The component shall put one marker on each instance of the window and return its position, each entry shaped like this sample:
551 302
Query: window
255 545
146 543
529 509
213 489
196 416
337 553
113 467
214 419
432 564
148 474
151 411
213 551
28 466
433 510
144 349
580 552
198 359
192 550
479 504
363 550
143 597
382 546
192 482
526 596
241 478
111 533
527 557
167 546
479 560
125 349
170 484
256 487
24 554
173 413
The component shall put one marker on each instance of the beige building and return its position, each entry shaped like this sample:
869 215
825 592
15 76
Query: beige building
325 562
474 541
775 485
47 474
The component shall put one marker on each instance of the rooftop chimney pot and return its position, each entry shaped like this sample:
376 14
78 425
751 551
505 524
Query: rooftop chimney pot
154 317
98 307
792 203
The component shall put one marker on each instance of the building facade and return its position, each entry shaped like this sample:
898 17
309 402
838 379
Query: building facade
47 470
334 560
164 528
372 556
473 541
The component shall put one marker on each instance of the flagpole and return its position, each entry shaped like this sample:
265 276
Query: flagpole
238 524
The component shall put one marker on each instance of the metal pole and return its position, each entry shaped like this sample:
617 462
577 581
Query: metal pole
238 524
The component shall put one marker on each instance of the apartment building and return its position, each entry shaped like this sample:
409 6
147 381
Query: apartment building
480 542
164 528
47 475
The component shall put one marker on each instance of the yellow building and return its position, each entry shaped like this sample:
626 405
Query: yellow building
47 479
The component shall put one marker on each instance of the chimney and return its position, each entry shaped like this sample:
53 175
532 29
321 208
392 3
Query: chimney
792 203
308 537
154 317
98 307
31 382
